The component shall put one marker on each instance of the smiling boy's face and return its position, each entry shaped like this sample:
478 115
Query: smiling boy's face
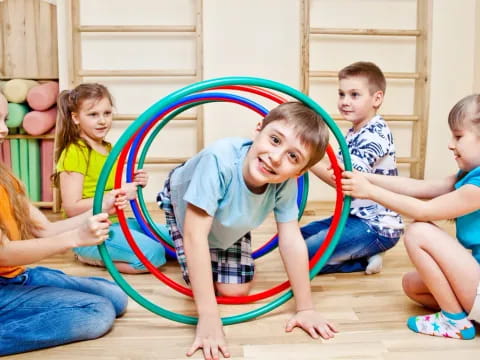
276 155
3 118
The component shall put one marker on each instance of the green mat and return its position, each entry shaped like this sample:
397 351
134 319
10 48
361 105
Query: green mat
15 156
23 159
34 176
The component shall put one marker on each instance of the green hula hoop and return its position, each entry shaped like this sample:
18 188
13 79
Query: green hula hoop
163 103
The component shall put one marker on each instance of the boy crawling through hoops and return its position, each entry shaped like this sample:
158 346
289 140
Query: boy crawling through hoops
216 198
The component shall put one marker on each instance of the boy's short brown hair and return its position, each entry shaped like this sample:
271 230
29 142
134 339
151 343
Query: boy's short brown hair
310 126
373 74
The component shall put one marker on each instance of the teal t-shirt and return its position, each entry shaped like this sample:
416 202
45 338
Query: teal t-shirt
213 181
468 226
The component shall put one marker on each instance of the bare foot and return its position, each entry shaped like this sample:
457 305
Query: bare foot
88 261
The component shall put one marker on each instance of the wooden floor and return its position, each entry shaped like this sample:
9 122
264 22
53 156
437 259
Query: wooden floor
369 310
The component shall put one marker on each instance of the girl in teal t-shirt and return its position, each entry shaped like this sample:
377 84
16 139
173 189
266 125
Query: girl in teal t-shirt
447 276
85 115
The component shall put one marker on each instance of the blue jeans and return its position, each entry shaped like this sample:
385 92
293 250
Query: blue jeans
44 307
119 249
357 243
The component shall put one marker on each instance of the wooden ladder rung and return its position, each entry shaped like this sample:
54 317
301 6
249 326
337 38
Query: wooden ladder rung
136 28
43 204
368 32
131 117
390 117
26 76
137 73
407 160
388 75
26 136
163 160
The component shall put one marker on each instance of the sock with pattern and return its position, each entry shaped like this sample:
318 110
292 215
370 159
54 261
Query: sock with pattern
444 324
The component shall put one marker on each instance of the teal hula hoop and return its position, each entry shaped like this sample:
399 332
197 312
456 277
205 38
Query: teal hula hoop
148 114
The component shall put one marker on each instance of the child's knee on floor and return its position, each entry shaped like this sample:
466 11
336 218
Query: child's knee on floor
233 289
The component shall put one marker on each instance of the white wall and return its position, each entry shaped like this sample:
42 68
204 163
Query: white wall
248 38
391 54
452 75
262 38
477 48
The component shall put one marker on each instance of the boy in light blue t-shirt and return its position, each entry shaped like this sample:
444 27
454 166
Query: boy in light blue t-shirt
216 198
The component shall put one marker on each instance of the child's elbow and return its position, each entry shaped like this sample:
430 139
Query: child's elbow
425 215
4 260
421 218
71 210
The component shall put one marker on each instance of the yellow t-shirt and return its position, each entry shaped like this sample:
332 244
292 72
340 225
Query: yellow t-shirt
6 213
88 162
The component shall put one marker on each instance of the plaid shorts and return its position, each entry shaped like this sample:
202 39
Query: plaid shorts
231 266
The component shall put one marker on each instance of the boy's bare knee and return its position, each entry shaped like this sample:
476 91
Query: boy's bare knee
233 289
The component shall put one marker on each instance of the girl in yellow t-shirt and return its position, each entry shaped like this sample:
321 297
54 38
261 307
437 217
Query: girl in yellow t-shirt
85 115
42 307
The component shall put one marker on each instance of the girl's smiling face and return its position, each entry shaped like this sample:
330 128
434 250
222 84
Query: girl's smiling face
465 145
464 123
94 119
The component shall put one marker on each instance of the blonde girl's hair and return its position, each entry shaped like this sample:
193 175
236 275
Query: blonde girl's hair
467 109
20 206
68 102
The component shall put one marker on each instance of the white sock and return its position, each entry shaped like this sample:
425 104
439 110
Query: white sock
375 264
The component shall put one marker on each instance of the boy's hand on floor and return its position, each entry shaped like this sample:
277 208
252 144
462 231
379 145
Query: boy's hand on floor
210 338
311 322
